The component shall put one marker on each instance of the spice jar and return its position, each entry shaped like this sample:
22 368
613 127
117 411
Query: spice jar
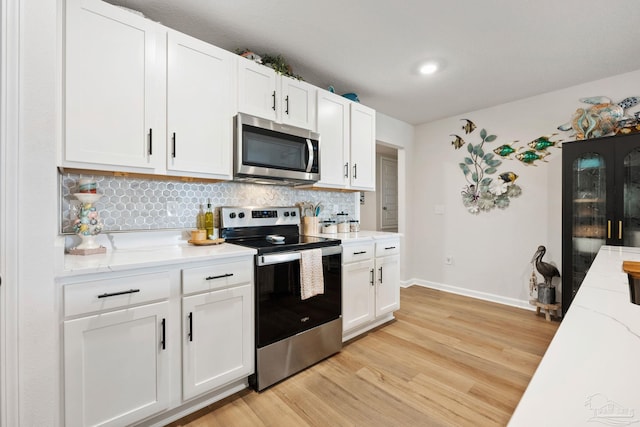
343 222
354 226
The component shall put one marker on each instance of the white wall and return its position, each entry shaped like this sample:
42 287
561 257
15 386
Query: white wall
492 250
396 133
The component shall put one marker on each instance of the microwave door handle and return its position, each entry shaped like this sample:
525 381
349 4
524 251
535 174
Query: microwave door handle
310 148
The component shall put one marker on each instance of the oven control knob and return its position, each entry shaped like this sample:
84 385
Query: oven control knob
293 213
286 214
232 215
241 215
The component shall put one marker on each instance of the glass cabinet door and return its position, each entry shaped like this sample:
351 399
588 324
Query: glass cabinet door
628 227
589 223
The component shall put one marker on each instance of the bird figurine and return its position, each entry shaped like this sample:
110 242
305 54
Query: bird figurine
547 270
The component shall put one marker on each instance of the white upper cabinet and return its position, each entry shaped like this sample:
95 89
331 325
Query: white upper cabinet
297 103
347 143
363 148
257 89
264 93
333 127
200 107
114 63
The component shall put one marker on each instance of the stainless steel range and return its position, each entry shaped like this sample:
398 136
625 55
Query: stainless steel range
293 329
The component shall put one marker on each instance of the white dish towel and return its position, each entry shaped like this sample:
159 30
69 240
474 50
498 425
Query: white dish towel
311 277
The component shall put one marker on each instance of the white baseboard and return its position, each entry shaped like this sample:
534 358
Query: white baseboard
469 293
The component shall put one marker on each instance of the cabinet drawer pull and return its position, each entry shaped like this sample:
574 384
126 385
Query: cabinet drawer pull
219 277
355 171
173 145
274 100
163 343
346 170
380 278
371 277
360 253
150 141
190 334
130 291
286 100
390 247
619 230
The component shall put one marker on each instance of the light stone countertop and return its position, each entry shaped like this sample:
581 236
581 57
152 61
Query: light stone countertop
359 236
591 370
126 251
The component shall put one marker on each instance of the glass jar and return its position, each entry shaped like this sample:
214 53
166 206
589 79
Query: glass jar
342 220
329 227
354 226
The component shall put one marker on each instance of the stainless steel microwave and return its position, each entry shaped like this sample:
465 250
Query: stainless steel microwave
273 153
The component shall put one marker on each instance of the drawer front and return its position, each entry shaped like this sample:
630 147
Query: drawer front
216 276
387 247
357 252
108 294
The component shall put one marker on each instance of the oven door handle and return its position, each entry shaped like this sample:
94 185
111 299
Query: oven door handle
281 258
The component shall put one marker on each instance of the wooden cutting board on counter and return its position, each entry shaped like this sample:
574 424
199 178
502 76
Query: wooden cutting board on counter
207 242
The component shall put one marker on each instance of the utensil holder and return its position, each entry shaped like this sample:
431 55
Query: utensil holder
309 225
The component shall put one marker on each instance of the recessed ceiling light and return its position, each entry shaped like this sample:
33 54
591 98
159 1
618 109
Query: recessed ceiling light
429 68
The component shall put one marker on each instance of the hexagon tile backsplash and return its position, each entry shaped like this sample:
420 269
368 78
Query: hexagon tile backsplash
130 204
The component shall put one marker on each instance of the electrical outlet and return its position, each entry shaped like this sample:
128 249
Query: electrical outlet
448 260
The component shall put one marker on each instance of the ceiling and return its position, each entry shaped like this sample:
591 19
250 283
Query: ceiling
492 51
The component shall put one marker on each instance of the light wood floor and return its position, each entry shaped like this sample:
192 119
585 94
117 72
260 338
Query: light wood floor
447 360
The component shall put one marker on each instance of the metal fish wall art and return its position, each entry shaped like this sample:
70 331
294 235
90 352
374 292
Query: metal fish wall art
505 150
529 157
469 126
457 142
508 176
544 142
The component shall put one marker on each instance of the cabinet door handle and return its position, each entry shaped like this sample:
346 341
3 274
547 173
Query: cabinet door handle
360 253
150 141
346 170
390 247
113 294
190 334
355 171
371 277
619 230
274 100
380 274
163 342
218 277
608 229
173 145
286 100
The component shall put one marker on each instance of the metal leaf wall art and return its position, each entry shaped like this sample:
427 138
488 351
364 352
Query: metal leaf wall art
484 192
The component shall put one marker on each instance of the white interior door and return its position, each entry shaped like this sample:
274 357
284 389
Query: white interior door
388 193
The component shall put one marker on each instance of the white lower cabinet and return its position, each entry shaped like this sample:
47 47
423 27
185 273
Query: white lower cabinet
124 332
358 294
218 341
116 366
388 286
370 285
217 326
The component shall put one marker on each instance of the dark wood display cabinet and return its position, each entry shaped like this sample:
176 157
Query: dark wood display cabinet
600 203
